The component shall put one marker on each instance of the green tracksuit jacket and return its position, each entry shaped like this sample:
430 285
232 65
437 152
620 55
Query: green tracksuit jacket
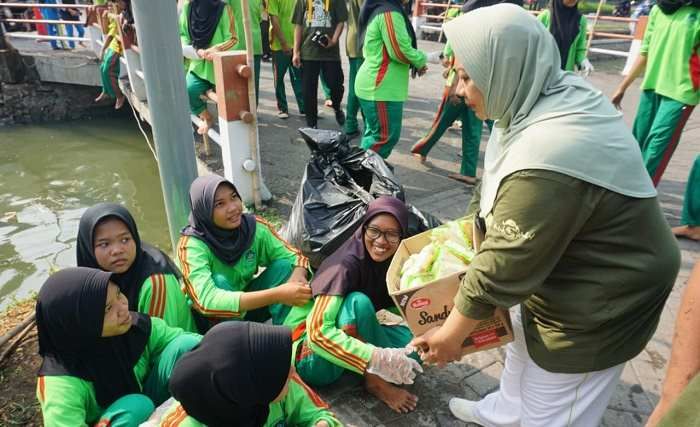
388 55
214 287
68 401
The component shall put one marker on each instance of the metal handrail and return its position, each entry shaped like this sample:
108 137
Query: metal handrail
39 37
42 21
42 5
612 35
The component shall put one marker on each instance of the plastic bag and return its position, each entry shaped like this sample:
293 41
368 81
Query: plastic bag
338 184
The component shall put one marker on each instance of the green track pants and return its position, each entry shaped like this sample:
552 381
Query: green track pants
133 409
196 87
691 202
274 275
657 127
382 125
352 104
471 133
109 71
357 314
281 64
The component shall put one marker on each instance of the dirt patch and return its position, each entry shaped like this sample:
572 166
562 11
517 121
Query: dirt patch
18 404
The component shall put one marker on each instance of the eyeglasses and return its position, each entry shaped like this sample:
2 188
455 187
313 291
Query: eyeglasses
390 236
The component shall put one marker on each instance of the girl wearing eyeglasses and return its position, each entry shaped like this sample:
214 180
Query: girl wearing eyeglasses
339 330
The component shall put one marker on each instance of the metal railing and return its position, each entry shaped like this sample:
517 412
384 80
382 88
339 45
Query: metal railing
58 23
425 20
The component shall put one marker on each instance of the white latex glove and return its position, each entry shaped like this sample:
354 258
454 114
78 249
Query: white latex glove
155 418
394 365
586 68
434 57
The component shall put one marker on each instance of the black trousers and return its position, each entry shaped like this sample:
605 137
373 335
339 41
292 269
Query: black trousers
333 73
265 33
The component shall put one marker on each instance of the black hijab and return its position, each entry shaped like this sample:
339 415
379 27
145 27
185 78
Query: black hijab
234 373
70 313
227 245
149 260
564 26
351 269
202 21
669 7
371 8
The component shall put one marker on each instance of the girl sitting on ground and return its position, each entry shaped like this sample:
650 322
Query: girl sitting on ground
206 27
102 364
109 240
244 369
339 331
221 251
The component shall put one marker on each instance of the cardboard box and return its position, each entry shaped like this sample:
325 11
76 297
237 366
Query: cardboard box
427 306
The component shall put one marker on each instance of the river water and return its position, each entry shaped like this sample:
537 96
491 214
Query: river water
49 175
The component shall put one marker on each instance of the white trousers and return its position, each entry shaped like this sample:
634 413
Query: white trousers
529 396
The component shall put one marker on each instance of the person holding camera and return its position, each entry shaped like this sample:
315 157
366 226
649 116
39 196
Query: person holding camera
390 50
318 26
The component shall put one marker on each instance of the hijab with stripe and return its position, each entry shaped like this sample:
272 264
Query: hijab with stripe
546 118
351 269
70 312
149 260
234 374
227 245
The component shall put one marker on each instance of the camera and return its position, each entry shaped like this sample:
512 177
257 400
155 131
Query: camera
320 38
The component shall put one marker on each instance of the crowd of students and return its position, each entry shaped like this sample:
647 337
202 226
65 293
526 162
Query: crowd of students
233 330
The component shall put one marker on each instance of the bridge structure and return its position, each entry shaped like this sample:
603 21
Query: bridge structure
153 80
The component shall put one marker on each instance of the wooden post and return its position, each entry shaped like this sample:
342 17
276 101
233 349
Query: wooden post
235 122
253 126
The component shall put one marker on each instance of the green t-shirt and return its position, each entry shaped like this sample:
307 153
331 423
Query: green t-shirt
323 16
284 11
671 44
351 41
255 6
590 285
68 401
388 54
577 50
224 38
215 287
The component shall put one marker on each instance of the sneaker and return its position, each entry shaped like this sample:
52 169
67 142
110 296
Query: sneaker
282 115
463 409
340 117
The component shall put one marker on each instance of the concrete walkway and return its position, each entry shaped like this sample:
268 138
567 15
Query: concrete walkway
428 187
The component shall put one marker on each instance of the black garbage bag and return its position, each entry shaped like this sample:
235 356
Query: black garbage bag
338 184
419 222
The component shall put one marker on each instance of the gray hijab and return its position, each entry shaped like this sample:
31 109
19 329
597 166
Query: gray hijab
545 118
227 245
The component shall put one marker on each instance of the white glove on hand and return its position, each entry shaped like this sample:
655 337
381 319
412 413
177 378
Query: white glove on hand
434 57
393 365
586 68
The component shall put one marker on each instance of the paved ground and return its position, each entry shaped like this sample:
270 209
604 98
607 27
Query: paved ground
428 188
